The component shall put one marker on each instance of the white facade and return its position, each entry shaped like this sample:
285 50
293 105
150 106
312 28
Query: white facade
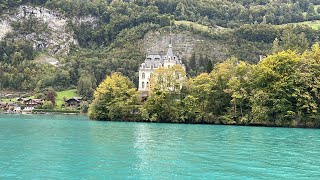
17 108
152 62
28 108
144 79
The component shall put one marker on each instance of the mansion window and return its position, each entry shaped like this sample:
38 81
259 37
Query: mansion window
143 75
142 85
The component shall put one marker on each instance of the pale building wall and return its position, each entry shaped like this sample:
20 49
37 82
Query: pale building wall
152 62
144 80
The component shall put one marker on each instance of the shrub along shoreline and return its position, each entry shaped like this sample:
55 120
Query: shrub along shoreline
281 90
37 111
217 122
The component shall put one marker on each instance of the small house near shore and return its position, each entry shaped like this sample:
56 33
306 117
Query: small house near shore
73 102
30 104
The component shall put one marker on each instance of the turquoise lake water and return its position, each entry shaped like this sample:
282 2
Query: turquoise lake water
71 147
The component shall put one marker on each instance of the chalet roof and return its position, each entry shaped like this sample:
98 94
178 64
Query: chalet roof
21 99
33 101
78 99
30 99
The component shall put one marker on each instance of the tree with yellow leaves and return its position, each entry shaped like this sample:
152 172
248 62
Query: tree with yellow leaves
112 98
168 79
166 92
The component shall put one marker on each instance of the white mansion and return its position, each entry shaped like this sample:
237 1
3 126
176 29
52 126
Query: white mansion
152 62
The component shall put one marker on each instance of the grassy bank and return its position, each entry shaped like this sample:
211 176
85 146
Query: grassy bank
313 24
67 94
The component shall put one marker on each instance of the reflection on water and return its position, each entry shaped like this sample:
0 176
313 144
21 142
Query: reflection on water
141 146
71 147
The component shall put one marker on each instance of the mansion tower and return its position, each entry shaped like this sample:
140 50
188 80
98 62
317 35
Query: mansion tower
152 62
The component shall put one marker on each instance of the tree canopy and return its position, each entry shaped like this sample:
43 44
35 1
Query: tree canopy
281 90
112 97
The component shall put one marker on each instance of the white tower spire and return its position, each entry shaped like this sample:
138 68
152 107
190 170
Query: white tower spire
170 43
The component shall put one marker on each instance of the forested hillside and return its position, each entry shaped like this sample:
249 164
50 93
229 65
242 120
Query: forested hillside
104 36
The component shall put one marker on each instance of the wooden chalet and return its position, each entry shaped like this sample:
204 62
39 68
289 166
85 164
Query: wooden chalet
73 102
30 104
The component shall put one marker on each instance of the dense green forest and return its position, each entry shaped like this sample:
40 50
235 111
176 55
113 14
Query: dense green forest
252 28
281 90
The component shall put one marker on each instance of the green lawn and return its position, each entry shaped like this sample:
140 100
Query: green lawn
313 24
59 99
6 100
193 24
65 94
200 27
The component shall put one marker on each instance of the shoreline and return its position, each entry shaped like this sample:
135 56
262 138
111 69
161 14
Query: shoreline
218 124
78 113
154 122
44 112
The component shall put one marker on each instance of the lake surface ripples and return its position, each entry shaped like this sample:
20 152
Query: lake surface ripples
71 147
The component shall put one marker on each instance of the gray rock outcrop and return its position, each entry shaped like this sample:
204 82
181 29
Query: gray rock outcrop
184 44
56 40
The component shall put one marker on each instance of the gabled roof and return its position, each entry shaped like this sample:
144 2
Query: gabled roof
21 99
74 99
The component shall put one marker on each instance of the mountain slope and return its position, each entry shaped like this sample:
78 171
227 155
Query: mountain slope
93 38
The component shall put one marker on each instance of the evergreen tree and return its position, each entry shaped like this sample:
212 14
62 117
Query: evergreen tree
311 12
201 61
276 46
192 61
303 42
86 85
293 41
209 66
51 96
264 20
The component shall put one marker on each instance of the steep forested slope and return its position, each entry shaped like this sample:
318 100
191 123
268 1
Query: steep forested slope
103 36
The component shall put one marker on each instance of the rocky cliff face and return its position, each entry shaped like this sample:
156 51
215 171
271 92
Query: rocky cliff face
56 40
184 44
57 37
5 28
